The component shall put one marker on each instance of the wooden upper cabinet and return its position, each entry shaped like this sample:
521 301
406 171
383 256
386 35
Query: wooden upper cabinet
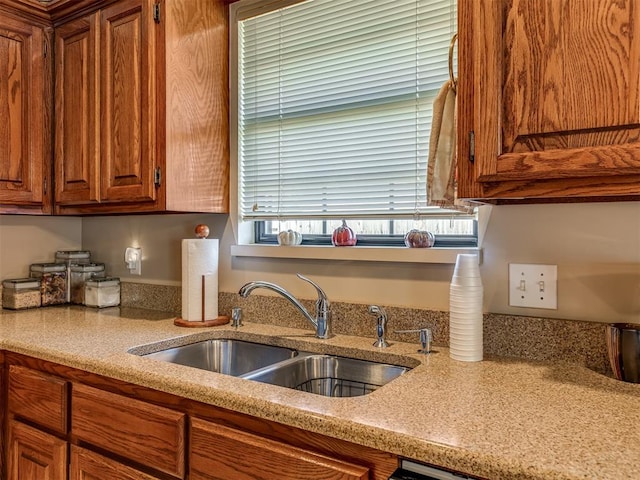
128 101
24 161
550 90
77 105
142 106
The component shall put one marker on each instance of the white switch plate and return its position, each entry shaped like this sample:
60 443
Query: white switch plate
534 286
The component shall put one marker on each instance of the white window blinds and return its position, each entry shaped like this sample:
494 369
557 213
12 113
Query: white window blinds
334 106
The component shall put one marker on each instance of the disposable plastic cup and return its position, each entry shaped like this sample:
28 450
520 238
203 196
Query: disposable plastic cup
460 281
466 263
464 318
464 344
465 330
466 272
463 290
468 298
468 342
465 308
465 326
468 302
477 357
472 351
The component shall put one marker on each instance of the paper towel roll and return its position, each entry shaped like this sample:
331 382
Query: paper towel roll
199 279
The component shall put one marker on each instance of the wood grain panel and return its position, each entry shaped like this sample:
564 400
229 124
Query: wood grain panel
197 105
554 97
128 101
77 88
22 108
87 465
145 433
35 455
257 458
38 397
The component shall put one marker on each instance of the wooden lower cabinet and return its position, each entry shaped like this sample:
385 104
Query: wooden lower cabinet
222 453
87 465
68 423
34 455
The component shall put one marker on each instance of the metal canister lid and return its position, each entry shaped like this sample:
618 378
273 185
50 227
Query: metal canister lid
87 267
21 283
103 282
48 267
72 254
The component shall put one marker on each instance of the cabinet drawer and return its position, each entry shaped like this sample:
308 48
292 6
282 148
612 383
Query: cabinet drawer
38 397
85 464
145 433
222 453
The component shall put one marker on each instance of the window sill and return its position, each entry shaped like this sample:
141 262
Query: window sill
361 254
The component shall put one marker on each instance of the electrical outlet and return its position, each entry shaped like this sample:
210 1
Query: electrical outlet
534 286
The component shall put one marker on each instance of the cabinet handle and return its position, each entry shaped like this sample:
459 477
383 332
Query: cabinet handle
472 146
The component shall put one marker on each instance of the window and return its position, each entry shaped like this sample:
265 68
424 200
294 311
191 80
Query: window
334 112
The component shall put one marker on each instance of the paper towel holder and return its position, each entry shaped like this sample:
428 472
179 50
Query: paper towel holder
202 231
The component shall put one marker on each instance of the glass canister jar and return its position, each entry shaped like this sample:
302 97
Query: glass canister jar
72 257
21 293
79 274
53 282
102 292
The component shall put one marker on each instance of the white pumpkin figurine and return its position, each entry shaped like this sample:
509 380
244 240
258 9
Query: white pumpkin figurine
289 237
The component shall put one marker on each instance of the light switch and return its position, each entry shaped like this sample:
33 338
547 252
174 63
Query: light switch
533 286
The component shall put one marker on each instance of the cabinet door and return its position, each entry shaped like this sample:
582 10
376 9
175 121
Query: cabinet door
128 101
23 127
551 90
77 103
87 465
142 432
35 455
222 453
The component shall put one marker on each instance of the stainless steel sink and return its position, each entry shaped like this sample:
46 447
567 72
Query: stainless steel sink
231 357
329 375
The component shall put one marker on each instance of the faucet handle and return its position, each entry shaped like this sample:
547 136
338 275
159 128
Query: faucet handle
321 294
426 338
381 326
236 317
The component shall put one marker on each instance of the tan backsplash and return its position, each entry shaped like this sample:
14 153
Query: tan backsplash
530 338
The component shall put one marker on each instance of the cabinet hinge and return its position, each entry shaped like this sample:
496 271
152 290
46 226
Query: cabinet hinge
45 50
157 176
45 185
472 146
156 12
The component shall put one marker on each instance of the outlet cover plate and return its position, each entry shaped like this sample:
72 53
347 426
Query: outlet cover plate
533 286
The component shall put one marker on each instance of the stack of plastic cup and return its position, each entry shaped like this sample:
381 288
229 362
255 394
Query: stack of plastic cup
465 310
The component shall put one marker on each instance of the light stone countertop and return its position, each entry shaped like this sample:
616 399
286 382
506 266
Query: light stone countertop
499 419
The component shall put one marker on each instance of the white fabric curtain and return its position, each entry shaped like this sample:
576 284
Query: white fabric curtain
335 104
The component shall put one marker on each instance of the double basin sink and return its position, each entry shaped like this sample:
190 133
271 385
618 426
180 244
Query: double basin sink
321 374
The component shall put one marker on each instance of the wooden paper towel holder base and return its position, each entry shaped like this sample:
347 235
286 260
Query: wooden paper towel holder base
221 320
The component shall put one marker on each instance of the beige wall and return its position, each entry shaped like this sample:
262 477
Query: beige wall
596 248
30 239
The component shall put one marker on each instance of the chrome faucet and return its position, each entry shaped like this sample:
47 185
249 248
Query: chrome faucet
322 320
